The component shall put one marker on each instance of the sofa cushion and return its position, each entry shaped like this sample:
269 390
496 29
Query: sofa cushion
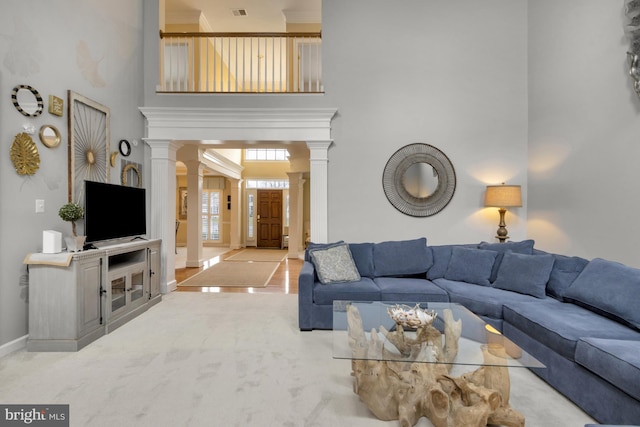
526 274
334 264
406 289
401 257
484 301
608 288
523 247
362 254
363 290
441 256
565 271
470 265
559 325
617 361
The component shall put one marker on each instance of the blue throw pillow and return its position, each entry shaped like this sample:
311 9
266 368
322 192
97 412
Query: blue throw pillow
441 255
610 289
470 265
401 258
523 247
565 271
334 264
525 274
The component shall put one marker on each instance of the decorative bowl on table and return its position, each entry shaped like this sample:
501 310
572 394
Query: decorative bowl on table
411 317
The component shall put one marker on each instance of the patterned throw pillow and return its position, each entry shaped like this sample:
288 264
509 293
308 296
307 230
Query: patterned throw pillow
334 264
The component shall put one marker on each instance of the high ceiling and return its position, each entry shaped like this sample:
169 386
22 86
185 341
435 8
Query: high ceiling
261 15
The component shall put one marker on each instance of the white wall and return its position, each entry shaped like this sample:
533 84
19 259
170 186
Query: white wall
583 131
91 47
450 74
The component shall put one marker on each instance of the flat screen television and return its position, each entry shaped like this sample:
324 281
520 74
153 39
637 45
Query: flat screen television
113 211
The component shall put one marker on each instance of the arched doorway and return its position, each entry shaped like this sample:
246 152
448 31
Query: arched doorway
170 128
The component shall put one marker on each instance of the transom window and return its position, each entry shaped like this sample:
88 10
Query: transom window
266 154
267 184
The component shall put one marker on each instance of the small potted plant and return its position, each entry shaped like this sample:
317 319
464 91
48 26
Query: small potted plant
72 212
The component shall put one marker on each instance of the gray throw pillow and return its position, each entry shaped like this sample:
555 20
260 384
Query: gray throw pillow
525 274
470 265
334 264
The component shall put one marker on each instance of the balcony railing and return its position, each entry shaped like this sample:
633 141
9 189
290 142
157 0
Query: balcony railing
241 62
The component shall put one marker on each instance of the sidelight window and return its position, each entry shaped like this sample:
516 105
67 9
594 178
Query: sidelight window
211 215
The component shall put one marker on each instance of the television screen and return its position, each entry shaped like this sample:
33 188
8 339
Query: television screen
113 211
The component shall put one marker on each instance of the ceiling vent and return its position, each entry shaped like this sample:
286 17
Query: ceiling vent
239 12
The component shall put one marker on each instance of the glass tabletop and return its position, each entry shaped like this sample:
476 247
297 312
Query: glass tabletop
478 343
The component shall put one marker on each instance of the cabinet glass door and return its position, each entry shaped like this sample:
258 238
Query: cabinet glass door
137 285
118 296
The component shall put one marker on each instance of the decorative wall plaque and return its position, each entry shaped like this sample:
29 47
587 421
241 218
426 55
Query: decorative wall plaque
56 105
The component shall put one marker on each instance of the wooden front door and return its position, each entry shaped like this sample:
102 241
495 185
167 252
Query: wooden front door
269 218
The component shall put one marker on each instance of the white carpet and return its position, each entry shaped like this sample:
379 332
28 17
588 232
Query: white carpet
222 360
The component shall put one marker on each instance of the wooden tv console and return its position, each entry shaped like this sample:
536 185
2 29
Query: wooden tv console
100 290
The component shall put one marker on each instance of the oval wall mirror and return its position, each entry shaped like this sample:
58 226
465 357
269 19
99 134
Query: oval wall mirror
27 100
50 136
419 180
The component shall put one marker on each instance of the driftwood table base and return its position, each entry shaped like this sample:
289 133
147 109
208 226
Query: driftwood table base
409 389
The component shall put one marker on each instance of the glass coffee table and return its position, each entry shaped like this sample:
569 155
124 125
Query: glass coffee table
410 361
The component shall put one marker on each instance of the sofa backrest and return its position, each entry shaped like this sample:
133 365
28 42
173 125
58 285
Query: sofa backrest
362 254
610 289
441 255
565 270
401 258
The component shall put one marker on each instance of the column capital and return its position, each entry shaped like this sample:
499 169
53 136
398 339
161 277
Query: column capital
163 148
318 150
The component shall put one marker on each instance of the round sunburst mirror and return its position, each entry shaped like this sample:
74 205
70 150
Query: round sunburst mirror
419 180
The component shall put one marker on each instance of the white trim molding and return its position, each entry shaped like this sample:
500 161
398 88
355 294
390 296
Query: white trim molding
250 124
15 345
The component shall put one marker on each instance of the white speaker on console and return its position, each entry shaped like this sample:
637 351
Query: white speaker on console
51 242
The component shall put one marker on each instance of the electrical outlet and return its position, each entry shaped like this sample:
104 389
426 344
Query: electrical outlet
39 206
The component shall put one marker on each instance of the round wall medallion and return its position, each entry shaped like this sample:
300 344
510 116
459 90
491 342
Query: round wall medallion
49 136
133 168
419 180
27 100
124 147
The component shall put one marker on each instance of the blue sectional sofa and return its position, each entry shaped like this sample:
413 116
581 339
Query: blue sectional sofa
580 318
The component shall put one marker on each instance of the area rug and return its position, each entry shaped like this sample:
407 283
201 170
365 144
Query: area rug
259 255
238 274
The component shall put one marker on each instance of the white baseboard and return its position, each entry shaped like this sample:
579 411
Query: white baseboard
15 345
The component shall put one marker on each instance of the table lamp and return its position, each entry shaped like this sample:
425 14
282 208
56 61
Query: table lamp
501 197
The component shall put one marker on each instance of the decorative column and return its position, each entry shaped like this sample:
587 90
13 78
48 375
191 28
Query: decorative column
296 193
195 169
236 220
319 168
163 206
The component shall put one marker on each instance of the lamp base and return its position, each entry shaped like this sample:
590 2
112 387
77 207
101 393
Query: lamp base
502 233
